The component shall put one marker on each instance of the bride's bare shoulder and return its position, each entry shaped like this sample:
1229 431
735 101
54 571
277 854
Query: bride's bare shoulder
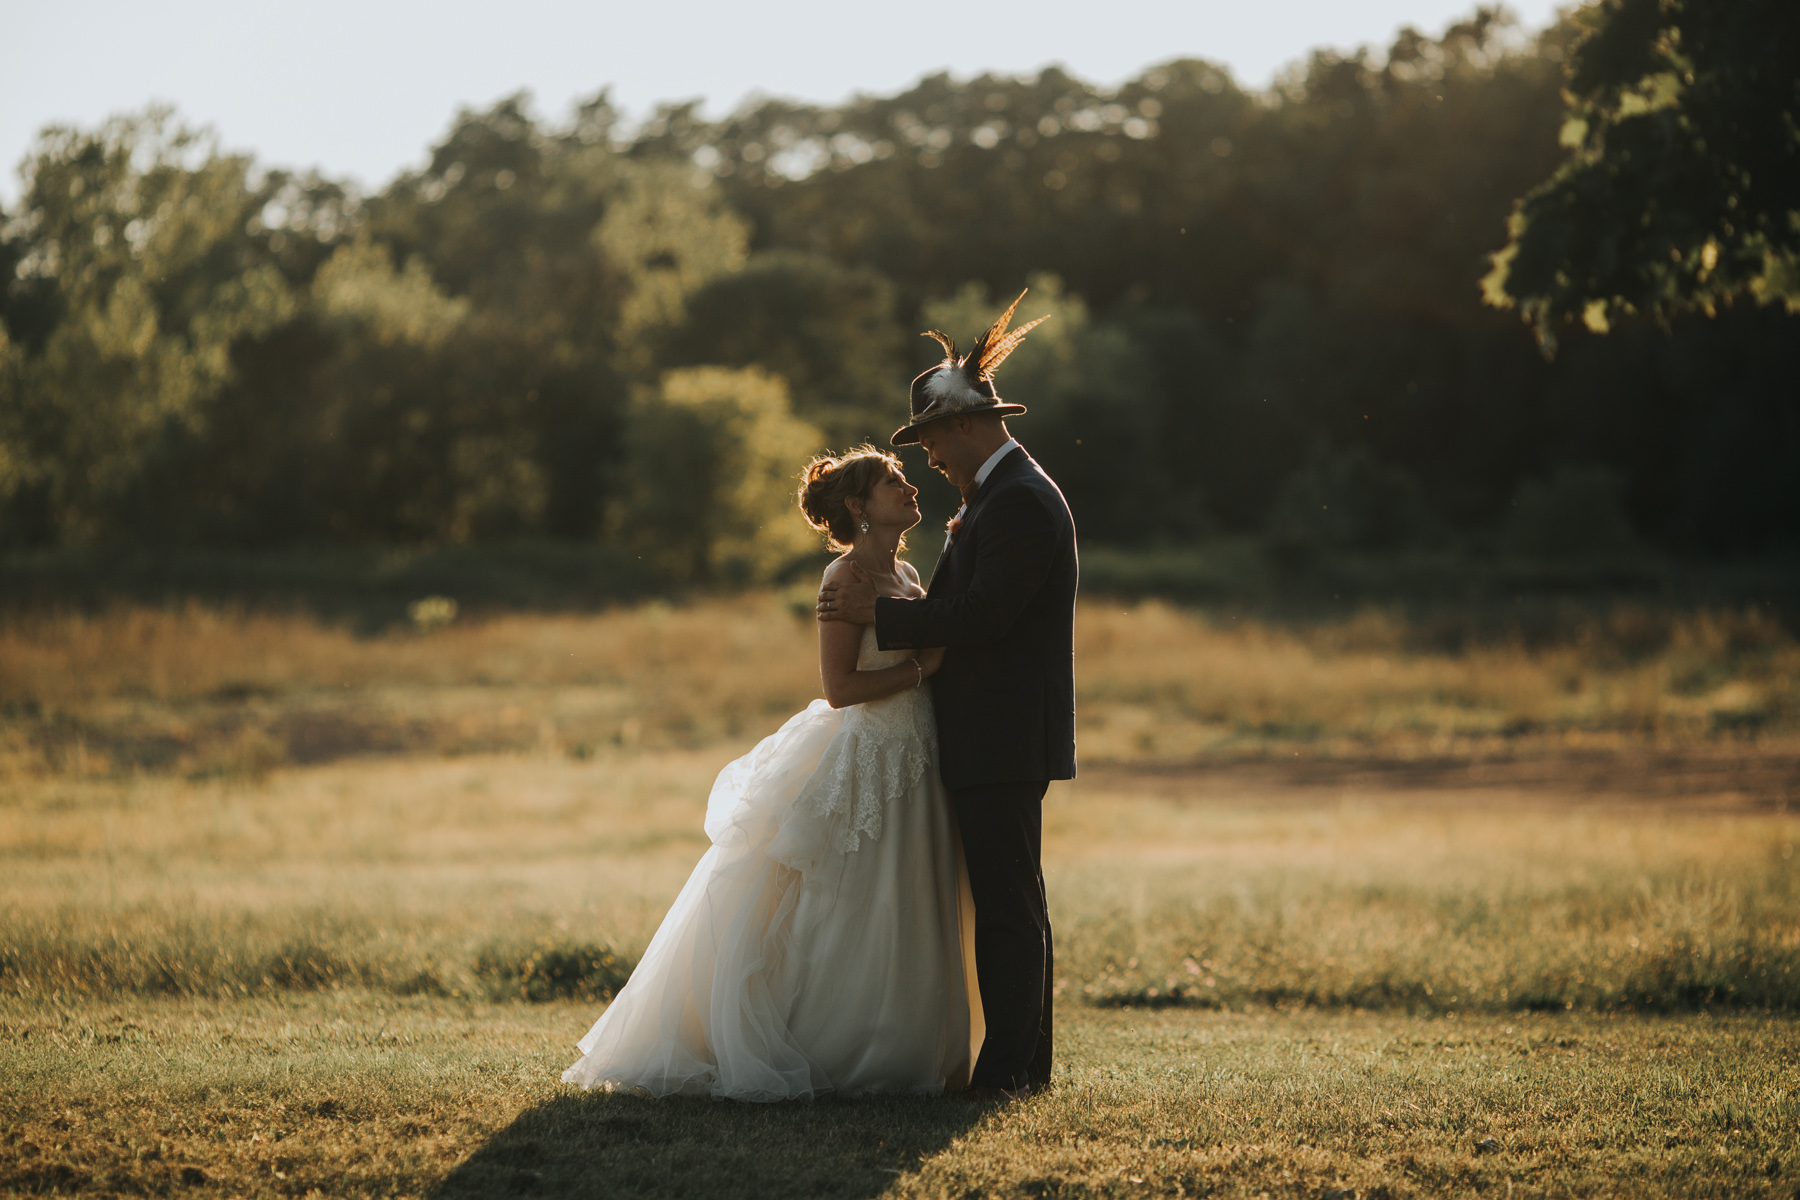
837 569
910 573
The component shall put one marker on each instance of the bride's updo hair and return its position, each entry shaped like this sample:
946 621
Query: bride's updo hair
830 481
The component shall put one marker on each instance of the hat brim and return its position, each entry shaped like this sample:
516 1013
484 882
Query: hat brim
908 435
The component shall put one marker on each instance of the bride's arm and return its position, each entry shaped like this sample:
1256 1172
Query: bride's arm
931 658
839 644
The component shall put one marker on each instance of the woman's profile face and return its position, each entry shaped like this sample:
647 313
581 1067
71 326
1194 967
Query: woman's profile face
893 502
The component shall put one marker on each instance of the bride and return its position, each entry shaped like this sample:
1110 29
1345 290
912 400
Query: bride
825 941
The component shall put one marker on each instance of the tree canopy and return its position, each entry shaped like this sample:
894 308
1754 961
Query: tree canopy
1682 191
1269 309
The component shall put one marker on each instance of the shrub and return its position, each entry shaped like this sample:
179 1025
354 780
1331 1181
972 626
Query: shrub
712 461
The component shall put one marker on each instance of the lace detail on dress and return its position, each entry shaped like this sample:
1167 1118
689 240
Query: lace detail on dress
880 752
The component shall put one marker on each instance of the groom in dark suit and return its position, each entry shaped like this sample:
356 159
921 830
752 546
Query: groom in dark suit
1002 597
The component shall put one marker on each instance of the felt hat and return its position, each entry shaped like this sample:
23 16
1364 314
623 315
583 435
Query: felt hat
966 384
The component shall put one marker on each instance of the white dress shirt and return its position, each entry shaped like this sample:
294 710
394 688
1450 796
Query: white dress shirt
987 468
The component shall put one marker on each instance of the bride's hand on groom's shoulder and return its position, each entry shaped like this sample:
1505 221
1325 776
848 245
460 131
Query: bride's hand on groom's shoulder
847 595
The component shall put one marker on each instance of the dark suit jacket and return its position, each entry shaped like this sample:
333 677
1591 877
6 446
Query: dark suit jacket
1002 598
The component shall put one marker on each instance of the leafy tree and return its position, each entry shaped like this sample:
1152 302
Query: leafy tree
576 261
1297 265
192 351
712 460
995 178
1094 421
828 330
1683 188
668 238
426 435
140 244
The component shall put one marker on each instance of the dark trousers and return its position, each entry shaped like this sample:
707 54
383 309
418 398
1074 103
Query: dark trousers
1002 828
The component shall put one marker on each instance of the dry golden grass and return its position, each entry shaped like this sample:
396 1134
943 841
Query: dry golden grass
1203 889
202 692
195 653
1220 891
393 873
1159 682
255 873
252 987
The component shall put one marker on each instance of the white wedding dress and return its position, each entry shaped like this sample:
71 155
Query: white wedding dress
825 941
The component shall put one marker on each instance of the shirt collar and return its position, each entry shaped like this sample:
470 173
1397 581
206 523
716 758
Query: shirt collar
987 468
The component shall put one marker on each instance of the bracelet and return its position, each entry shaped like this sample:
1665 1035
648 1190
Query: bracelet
921 678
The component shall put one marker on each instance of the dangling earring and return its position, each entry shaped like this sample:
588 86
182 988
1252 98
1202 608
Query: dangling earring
864 526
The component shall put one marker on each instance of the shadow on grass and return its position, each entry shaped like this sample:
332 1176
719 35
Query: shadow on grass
598 1144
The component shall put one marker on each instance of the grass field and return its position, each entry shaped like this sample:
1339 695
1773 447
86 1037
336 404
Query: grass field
339 1094
1336 906
201 692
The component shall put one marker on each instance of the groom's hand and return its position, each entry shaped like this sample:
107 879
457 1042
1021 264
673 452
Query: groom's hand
848 599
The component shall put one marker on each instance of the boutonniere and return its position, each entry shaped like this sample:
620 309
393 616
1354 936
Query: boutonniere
952 527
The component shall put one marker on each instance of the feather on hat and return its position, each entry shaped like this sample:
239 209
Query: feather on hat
965 384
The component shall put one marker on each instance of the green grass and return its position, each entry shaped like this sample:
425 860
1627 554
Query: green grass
353 1093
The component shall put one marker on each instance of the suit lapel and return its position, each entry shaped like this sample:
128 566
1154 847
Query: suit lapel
938 567
1002 469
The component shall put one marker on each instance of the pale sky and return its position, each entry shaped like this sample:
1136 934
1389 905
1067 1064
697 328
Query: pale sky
360 88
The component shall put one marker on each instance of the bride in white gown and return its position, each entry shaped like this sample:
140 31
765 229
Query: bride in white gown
825 941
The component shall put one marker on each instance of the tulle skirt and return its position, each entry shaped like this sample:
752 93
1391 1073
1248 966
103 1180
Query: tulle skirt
825 941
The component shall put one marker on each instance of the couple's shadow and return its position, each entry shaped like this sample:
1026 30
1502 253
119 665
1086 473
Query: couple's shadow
595 1144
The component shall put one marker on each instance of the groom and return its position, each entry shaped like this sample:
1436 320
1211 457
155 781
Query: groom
1002 597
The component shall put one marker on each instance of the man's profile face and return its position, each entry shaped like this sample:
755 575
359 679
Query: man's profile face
941 441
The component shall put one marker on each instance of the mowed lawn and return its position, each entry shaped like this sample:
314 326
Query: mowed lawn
285 911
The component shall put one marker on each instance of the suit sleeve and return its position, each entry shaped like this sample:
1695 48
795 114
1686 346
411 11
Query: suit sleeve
1013 557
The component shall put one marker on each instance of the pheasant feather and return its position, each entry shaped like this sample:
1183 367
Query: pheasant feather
997 354
992 347
948 345
979 351
965 383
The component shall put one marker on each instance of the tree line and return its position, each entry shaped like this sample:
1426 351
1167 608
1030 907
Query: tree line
1269 320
